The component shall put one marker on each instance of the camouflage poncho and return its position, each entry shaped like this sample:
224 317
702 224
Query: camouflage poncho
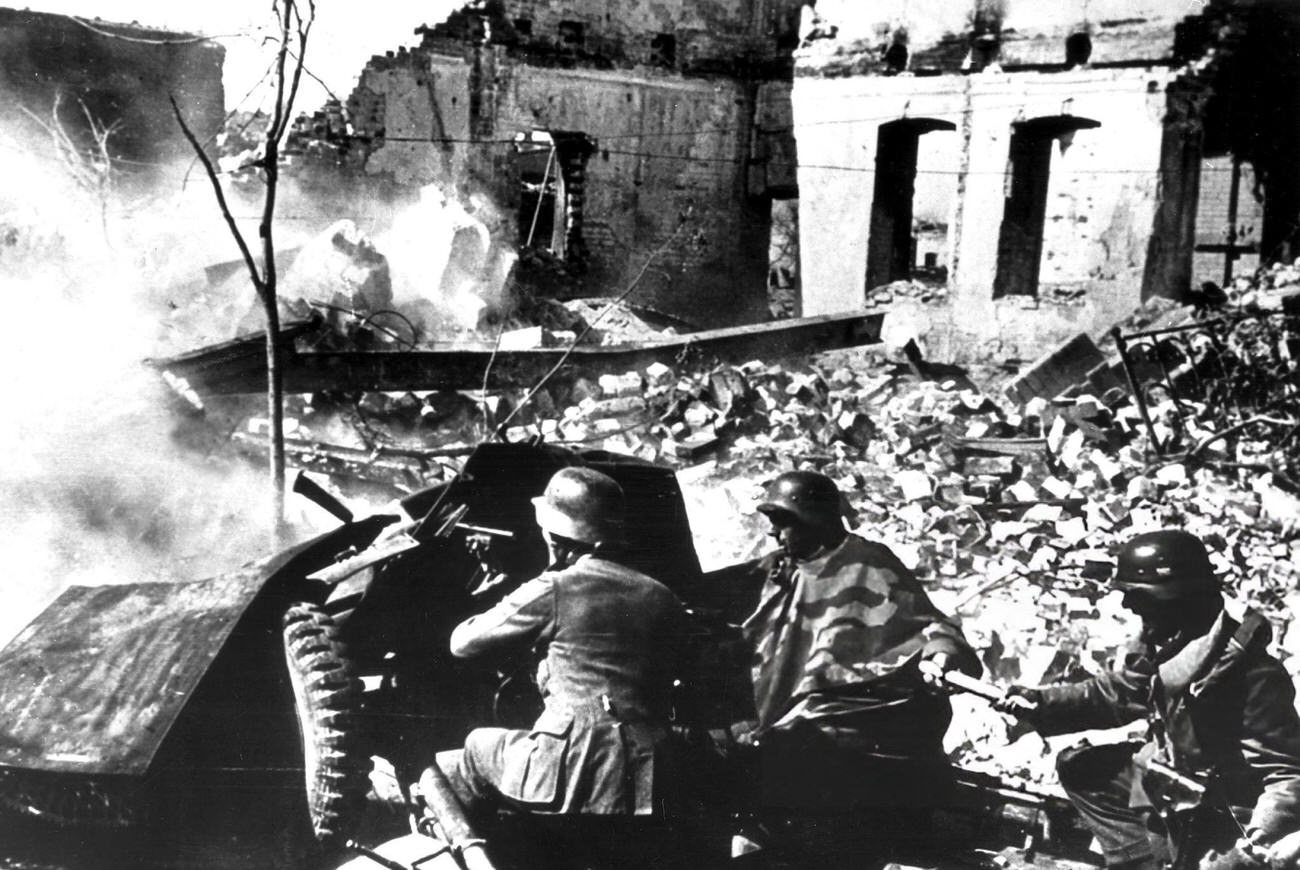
847 617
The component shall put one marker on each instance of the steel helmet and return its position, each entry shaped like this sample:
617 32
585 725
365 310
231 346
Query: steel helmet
581 504
808 495
1167 565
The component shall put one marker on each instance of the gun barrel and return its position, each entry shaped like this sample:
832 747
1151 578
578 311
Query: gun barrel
304 485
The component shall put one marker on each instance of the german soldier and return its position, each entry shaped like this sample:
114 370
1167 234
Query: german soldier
606 636
1217 779
844 717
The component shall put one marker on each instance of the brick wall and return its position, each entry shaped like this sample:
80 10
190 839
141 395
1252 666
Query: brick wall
666 181
689 36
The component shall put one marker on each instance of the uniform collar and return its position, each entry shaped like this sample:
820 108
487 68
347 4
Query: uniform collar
1179 670
818 560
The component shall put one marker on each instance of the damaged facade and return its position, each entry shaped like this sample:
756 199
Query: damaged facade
123 74
604 135
1005 173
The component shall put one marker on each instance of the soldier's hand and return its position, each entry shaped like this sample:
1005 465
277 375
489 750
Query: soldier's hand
932 669
1019 701
744 733
1236 858
1285 853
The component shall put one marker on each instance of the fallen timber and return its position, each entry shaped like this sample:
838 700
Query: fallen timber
239 366
389 465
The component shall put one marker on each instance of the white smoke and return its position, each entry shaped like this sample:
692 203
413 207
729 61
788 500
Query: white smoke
444 262
95 490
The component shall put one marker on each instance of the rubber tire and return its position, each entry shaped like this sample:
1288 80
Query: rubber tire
327 695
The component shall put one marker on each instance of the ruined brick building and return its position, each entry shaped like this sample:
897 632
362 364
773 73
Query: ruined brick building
608 134
1036 169
1012 171
123 74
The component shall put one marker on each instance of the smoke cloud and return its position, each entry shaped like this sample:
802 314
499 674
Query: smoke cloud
97 488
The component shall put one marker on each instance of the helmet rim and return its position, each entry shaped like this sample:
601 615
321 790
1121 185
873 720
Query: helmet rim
581 504
1166 565
809 496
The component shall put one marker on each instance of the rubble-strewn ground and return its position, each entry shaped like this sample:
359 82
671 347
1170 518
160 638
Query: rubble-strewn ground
1010 513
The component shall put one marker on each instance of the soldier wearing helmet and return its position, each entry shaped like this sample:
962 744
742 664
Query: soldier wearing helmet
605 636
1221 717
843 714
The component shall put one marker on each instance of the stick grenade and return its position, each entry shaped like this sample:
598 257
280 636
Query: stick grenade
989 692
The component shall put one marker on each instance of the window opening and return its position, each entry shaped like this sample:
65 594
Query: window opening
663 50
985 52
1024 208
476 28
1228 221
783 291
523 26
572 34
1078 48
551 168
895 59
540 190
892 246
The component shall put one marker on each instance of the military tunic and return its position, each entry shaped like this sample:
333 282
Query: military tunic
1221 709
608 637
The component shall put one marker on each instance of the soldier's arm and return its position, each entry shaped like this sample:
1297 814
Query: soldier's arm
516 622
948 649
1285 853
1271 746
1115 697
942 640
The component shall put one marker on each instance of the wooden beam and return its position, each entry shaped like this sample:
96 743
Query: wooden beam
224 369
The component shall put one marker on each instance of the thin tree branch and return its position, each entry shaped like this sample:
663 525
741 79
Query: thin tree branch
69 154
213 177
304 30
487 370
320 81
229 115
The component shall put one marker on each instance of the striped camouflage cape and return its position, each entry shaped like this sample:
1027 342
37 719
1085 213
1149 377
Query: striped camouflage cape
848 617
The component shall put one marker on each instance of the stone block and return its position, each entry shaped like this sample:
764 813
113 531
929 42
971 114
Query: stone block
1056 372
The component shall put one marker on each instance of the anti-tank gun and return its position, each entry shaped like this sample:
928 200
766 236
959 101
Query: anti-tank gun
303 664
366 640
365 611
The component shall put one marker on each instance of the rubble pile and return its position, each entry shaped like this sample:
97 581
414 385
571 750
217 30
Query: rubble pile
930 292
1225 390
1010 507
1010 514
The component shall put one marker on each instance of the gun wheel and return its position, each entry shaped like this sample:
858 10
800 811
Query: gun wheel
327 694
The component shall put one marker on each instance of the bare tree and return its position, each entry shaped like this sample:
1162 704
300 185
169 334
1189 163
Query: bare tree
294 30
91 168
